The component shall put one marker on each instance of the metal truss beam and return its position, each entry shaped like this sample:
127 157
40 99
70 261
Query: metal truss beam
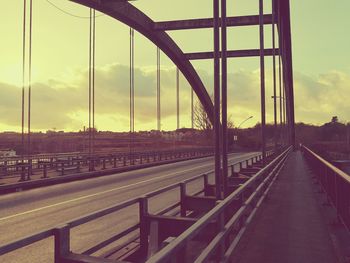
208 23
230 54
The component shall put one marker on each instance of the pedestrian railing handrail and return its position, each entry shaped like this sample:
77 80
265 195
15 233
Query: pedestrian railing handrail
169 252
334 182
330 166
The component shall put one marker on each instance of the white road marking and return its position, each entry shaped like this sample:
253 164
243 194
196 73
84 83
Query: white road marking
101 193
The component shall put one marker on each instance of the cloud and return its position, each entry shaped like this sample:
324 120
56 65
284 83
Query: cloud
319 98
63 103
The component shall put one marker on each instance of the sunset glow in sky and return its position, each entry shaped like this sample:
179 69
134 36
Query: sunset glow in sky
321 64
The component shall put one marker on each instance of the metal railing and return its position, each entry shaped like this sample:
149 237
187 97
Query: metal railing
61 233
62 163
335 183
230 225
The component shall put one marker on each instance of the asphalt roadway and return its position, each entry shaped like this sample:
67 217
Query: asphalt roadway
27 212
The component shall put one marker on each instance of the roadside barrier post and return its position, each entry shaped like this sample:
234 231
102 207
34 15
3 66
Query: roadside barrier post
29 171
62 242
44 171
232 170
5 168
182 199
62 168
104 164
143 212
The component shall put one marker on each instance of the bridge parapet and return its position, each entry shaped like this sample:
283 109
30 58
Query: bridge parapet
54 165
334 182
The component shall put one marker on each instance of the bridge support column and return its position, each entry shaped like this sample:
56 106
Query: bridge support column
216 14
224 95
262 79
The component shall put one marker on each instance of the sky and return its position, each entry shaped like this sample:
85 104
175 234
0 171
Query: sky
60 58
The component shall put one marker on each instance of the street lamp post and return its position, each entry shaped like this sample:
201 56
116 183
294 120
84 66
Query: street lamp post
250 117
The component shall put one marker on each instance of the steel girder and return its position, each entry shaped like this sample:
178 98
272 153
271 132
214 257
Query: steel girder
285 39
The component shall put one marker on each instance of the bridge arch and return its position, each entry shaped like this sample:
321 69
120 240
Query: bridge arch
136 19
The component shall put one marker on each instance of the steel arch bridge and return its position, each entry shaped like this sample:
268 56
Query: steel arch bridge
220 197
156 32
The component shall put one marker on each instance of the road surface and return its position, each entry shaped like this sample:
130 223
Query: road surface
27 212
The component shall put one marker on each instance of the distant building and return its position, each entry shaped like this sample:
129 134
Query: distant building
50 132
9 132
7 153
186 130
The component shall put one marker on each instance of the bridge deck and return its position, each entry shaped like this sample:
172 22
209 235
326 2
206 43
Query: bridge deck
290 226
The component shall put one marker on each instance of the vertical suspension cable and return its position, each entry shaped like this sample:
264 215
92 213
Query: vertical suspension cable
23 84
285 129
281 99
177 98
30 86
284 104
130 81
30 75
158 91
92 43
280 91
131 95
274 72
93 78
133 80
192 109
90 86
130 90
23 71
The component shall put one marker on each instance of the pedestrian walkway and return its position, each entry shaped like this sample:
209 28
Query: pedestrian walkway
290 226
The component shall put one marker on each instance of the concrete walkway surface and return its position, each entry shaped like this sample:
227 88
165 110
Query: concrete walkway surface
289 227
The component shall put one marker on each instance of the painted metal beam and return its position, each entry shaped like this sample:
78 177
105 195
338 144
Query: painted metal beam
262 81
217 126
231 54
208 23
285 38
224 140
